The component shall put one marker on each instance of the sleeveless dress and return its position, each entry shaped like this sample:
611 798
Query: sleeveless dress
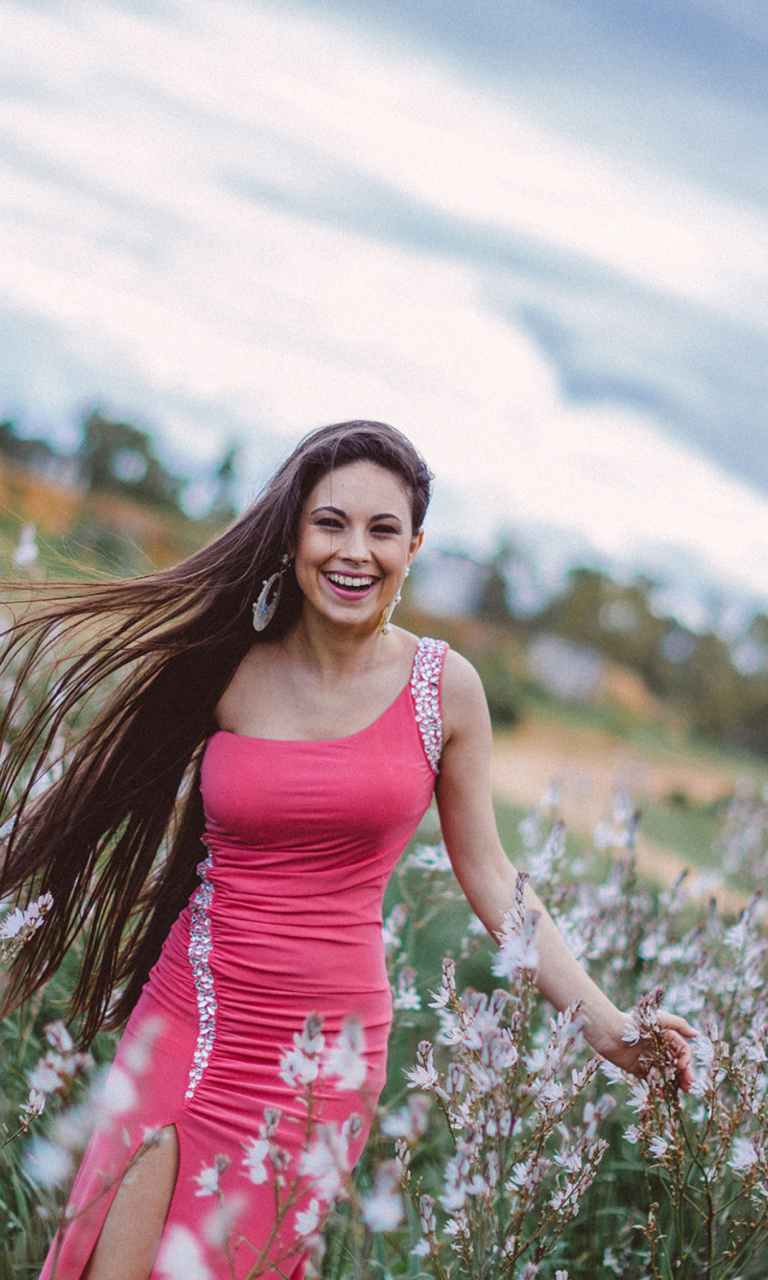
302 839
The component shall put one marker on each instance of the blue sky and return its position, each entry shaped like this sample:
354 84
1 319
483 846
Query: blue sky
534 235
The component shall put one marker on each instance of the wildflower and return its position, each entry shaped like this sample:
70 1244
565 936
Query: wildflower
744 1155
406 996
208 1177
308 1220
271 1121
633 1134
300 1065
256 1152
423 1075
58 1037
221 1221
639 1094
181 1257
46 1076
138 1047
410 1122
428 1242
447 993
430 858
382 1210
517 943
34 1106
392 926
345 1060
20 924
631 1033
119 1093
542 864
311 1039
326 1162
47 1164
658 1146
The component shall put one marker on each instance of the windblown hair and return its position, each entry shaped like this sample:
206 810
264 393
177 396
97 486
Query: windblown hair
116 836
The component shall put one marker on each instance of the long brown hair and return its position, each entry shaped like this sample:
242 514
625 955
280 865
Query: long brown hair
116 837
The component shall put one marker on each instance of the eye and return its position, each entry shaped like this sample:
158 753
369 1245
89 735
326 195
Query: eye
329 522
385 528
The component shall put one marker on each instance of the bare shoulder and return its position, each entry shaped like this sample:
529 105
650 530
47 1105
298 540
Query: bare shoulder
464 707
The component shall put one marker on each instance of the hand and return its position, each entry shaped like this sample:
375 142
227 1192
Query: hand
676 1032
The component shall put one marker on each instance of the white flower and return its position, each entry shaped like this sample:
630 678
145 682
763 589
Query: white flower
326 1162
119 1093
208 1177
181 1257
345 1059
410 1121
34 1106
59 1038
424 1075
639 1093
307 1220
430 858
382 1210
47 1076
744 1155
633 1134
658 1146
296 1068
137 1047
631 1033
517 944
703 1049
221 1221
391 927
256 1152
311 1040
406 996
22 923
47 1164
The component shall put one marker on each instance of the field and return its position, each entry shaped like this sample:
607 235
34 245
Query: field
502 1148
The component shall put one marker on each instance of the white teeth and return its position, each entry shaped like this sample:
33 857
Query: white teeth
342 580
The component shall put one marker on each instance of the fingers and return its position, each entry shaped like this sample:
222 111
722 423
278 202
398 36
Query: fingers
684 1056
674 1022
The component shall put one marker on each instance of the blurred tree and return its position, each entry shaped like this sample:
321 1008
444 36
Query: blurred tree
223 508
31 452
116 457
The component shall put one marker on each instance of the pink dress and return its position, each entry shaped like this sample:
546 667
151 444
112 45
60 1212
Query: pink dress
302 839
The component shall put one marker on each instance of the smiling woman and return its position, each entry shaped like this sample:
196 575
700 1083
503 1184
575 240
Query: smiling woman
285 770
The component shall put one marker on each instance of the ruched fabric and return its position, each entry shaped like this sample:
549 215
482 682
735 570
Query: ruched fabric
302 838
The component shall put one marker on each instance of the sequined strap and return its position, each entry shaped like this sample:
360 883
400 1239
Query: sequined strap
425 687
200 944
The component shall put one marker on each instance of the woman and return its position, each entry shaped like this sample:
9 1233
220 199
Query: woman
287 767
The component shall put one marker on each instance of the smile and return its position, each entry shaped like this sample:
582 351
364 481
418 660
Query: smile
348 584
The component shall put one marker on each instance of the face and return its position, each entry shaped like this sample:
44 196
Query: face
354 544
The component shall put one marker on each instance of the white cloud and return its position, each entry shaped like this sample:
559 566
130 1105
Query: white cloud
124 229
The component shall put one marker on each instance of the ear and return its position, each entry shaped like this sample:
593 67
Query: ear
416 542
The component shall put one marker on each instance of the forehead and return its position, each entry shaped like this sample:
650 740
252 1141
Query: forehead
362 486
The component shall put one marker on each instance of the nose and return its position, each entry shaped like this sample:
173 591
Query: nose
355 544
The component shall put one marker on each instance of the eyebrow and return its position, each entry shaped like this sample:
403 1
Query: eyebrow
337 511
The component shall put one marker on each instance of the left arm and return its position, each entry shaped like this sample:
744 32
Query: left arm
488 878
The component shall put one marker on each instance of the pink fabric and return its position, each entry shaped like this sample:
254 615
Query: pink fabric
303 837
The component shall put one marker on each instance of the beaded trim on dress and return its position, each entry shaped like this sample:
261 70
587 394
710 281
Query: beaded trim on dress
425 687
200 943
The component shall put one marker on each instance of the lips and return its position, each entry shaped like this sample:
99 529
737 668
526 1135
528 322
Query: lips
351 586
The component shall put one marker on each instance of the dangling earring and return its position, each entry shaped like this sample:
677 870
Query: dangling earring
264 608
387 625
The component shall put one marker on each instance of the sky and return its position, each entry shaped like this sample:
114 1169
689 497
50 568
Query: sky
533 234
